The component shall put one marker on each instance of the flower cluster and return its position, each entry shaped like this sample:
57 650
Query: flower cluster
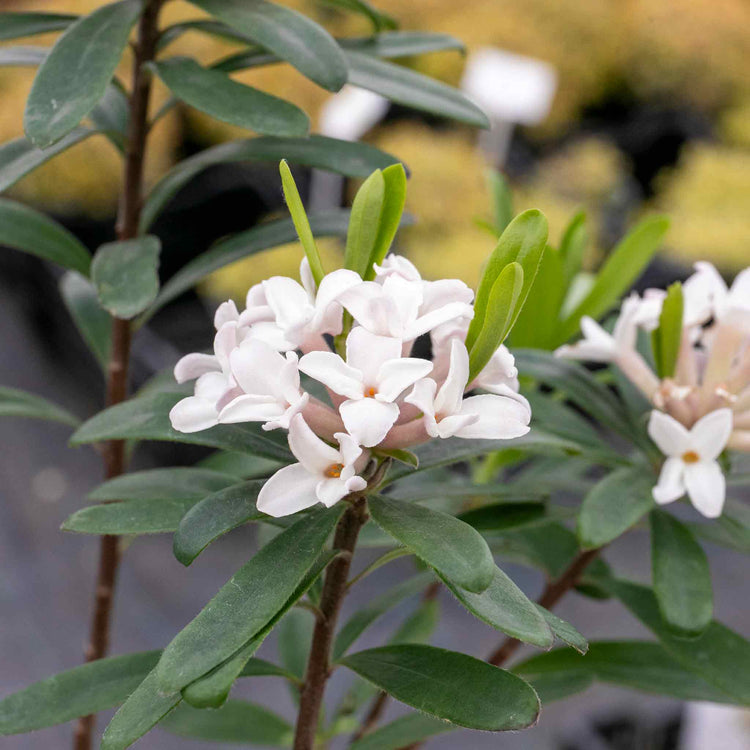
378 397
705 406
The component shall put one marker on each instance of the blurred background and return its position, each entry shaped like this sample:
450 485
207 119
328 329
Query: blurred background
616 107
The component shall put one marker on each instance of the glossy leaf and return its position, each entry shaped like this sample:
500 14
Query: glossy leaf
110 115
147 418
364 223
573 248
16 25
505 607
411 89
293 638
80 691
450 546
20 157
615 504
24 56
377 18
17 403
261 668
125 275
403 732
564 631
236 721
558 417
77 70
286 33
247 602
666 339
325 224
217 95
682 579
623 266
554 686
394 200
90 318
449 685
501 516
239 465
215 515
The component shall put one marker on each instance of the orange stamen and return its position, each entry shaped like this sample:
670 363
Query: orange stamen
691 457
334 471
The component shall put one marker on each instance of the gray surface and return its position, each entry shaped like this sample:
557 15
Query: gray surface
46 580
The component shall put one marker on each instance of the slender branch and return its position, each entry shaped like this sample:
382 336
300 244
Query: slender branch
128 217
334 590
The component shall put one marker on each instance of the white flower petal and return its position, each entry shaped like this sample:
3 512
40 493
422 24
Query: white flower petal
453 424
289 490
224 342
399 266
423 396
498 417
669 435
434 318
671 484
289 301
706 487
256 367
436 294
306 277
367 420
226 312
315 455
710 434
193 414
372 309
212 386
349 448
251 408
396 375
330 490
192 366
328 368
451 393
366 352
333 285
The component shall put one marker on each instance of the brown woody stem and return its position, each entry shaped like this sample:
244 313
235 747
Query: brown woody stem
128 217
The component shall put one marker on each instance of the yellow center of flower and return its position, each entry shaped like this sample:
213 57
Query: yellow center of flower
691 457
370 393
334 471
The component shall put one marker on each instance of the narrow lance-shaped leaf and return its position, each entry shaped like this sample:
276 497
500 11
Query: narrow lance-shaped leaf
502 200
23 56
288 34
666 339
394 199
377 18
450 546
364 223
214 93
573 247
163 484
16 403
90 318
26 229
449 685
564 631
125 275
402 732
301 222
682 580
16 25
76 72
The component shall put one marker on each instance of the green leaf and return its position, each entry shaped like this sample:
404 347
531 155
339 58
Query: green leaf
450 546
411 89
293 638
523 242
731 529
559 418
23 56
621 269
214 93
366 615
394 199
80 691
682 579
420 625
239 465
564 631
16 25
280 232
247 601
236 721
77 70
502 200
20 157
449 685
377 18
401 455
640 665
403 732
505 607
91 320
614 504
215 515
147 418
301 222
666 339
342 157
573 248
501 516
110 115
261 668
162 484
125 275
17 403
288 34
364 223
719 655
557 686
145 707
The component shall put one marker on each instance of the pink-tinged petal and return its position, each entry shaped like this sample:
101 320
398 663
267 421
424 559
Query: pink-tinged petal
397 265
367 420
453 424
288 381
710 434
438 317
436 294
251 408
498 417
371 308
256 367
328 368
193 414
406 296
396 375
355 484
306 277
626 328
212 386
271 334
423 396
192 366
330 490
671 484
451 393
289 301
706 487
289 490
349 448
315 455
256 296
739 294
671 437
333 285
366 352
285 420
226 312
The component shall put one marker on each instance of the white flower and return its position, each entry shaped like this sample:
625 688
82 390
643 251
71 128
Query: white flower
372 378
270 386
691 464
712 296
446 412
500 374
323 474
